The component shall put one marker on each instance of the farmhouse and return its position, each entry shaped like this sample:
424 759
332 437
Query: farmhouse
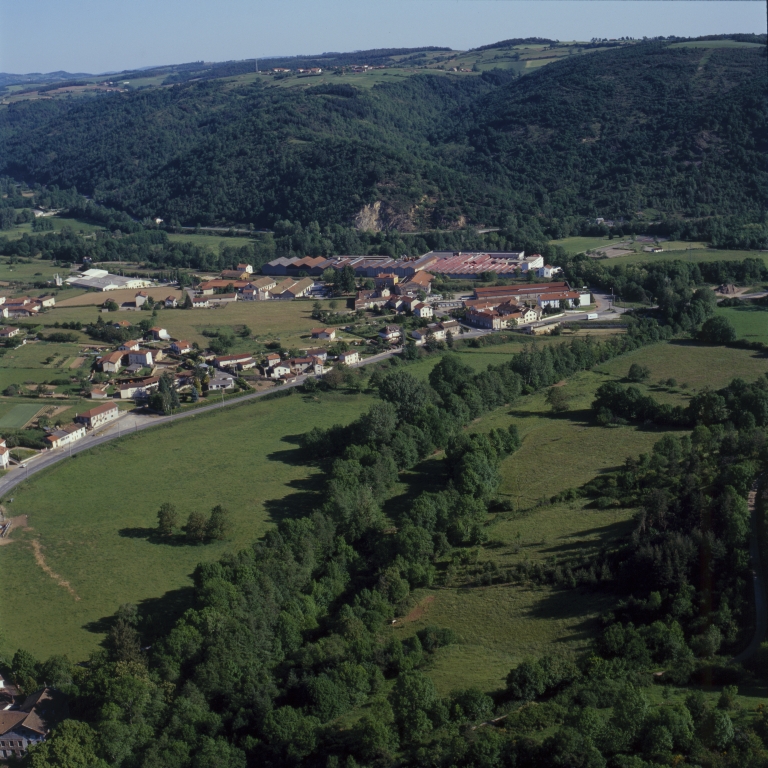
66 435
29 724
171 302
98 393
548 271
239 362
111 363
139 389
235 274
221 381
257 290
318 352
485 318
9 333
181 347
101 414
142 357
220 299
278 370
160 334
200 302
247 268
349 358
140 299
324 333
391 333
5 454
291 289
436 330
210 287
130 346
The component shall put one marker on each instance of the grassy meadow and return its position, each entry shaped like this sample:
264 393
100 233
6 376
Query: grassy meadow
750 321
92 516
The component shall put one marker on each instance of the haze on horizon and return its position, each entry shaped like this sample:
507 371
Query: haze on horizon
93 36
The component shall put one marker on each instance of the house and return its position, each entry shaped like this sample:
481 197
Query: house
47 301
324 333
300 364
171 302
296 290
220 381
320 353
349 358
368 299
423 280
130 346
485 318
385 280
391 333
101 414
560 299
181 347
199 302
121 324
423 311
99 393
395 302
436 330
240 362
13 311
247 268
272 358
220 299
111 363
138 389
9 333
142 357
5 454
235 274
210 287
278 370
160 334
548 271
65 436
29 724
140 299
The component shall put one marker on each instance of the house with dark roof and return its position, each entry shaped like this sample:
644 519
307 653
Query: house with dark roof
31 723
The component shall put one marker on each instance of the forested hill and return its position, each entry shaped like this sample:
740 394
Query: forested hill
643 132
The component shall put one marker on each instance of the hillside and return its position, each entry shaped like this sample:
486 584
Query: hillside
643 131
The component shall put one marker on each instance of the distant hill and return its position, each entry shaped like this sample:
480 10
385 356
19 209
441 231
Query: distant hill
648 130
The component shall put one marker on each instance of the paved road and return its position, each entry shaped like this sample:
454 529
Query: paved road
761 606
135 422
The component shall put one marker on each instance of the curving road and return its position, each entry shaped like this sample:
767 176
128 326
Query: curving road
132 422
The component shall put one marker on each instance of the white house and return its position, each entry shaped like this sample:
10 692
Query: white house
160 334
423 311
391 333
235 362
349 358
111 363
140 299
99 415
9 333
221 381
171 302
130 346
181 347
278 370
324 333
5 454
199 302
142 357
548 271
66 435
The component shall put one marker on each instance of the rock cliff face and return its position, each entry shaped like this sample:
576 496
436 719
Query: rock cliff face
368 218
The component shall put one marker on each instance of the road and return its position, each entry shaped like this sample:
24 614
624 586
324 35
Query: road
136 422
758 582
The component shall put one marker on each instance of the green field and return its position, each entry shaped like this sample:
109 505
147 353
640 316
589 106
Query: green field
213 241
19 415
750 322
499 625
35 355
694 255
59 222
288 321
93 515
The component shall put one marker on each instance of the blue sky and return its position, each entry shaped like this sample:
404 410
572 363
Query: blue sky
103 35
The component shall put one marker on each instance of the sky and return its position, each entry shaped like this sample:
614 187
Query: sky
104 35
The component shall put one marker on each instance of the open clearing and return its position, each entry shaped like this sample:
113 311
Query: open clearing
97 298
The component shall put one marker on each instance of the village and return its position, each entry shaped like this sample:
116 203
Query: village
395 297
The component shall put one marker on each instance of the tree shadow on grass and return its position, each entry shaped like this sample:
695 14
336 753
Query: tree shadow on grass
153 537
606 534
157 615
566 604
428 476
299 504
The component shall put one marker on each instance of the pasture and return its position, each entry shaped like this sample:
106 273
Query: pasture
289 322
750 321
92 517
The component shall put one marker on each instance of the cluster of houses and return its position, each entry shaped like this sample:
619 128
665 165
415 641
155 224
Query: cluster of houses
240 285
25 306
26 720
499 307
